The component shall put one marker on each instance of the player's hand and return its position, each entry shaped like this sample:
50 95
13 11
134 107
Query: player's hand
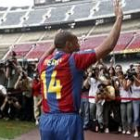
118 9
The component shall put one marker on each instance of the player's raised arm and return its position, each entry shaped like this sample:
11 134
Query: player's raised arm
109 43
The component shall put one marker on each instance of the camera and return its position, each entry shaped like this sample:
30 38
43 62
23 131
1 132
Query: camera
101 88
12 99
2 63
93 75
23 75
9 63
101 92
94 72
130 74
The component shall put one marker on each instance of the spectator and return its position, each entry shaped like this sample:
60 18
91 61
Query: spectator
109 101
133 82
3 79
10 106
100 99
12 72
24 83
116 103
3 93
36 91
84 109
118 68
93 81
126 105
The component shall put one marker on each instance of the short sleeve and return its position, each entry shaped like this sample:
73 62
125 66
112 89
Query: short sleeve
83 59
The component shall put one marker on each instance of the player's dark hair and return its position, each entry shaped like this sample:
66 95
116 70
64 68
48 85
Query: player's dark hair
62 37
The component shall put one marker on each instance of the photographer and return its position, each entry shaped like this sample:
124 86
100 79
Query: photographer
116 103
31 69
125 105
84 109
3 79
133 82
13 70
3 93
10 105
109 98
24 83
93 81
100 99
130 74
36 92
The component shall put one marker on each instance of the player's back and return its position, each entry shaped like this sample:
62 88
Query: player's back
61 83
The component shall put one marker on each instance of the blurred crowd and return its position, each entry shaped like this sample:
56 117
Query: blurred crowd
20 96
110 95
111 98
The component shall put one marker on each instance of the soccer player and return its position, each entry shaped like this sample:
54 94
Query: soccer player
61 76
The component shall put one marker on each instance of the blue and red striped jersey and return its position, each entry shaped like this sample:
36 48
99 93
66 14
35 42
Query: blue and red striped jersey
61 80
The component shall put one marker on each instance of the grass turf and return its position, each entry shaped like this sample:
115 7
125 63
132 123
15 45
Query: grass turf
11 129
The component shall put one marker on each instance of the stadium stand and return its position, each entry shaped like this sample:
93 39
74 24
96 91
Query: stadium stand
81 11
131 5
3 50
22 49
1 14
128 41
3 8
123 41
134 46
94 15
15 8
104 10
35 16
92 42
48 35
38 50
9 38
13 18
57 14
31 37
